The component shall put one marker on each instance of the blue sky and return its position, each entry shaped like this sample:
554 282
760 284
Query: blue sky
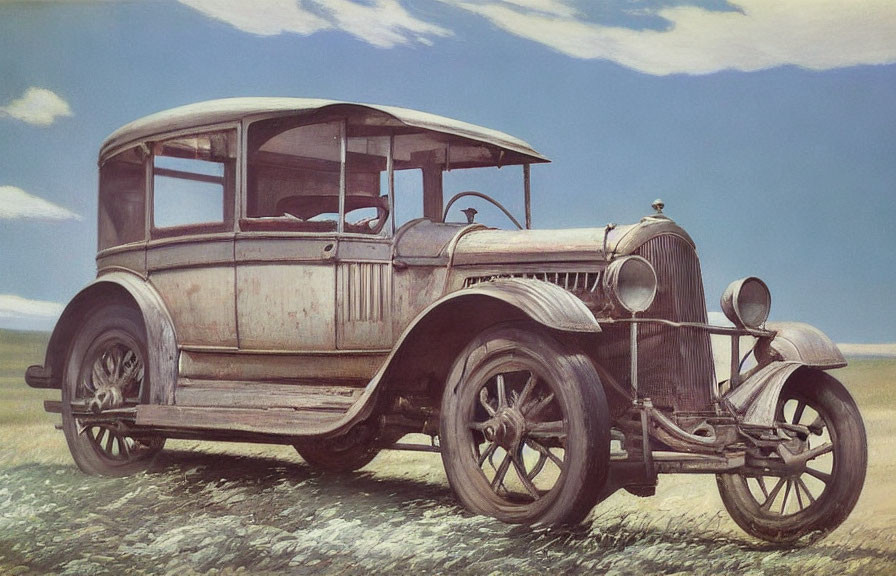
768 127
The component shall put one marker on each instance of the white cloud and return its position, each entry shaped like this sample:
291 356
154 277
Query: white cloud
754 35
555 7
37 106
383 23
12 306
15 203
814 34
20 313
262 17
868 349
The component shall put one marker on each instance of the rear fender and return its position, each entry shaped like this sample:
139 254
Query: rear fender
120 287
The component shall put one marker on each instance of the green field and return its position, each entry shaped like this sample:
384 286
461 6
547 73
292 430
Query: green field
234 509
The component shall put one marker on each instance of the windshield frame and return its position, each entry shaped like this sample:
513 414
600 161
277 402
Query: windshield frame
351 121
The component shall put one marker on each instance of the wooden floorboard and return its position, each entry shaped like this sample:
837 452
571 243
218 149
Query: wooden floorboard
262 421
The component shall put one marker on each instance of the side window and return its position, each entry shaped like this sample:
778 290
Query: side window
293 176
193 182
122 203
366 199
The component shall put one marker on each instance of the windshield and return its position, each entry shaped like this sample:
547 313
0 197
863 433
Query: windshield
389 173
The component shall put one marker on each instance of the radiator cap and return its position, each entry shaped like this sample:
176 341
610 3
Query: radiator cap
658 206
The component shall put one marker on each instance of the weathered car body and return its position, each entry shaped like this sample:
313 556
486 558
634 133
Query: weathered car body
253 283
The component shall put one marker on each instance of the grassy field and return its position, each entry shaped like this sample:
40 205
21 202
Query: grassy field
209 508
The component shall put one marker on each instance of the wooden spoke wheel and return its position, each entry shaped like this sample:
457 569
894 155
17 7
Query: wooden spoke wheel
819 486
345 453
525 428
106 368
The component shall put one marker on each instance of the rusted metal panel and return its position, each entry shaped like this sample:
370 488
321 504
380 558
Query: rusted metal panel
269 365
287 306
201 303
283 247
413 289
483 247
363 249
208 250
423 238
131 258
799 342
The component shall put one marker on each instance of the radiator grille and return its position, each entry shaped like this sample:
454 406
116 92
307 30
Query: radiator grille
675 365
575 282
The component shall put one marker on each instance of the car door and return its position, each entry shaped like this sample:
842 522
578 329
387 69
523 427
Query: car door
189 257
313 294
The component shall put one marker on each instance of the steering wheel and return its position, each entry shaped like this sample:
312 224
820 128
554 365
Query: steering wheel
372 224
497 204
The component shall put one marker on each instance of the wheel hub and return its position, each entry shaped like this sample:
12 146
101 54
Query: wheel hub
114 370
507 428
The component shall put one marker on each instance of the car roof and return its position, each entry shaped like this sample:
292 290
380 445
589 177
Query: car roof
234 109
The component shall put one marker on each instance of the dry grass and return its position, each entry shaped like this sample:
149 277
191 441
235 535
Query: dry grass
241 509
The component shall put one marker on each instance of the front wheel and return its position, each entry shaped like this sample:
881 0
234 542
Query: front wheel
819 488
525 428
106 368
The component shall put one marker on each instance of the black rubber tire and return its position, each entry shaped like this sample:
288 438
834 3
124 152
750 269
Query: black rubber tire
339 455
566 379
105 328
828 399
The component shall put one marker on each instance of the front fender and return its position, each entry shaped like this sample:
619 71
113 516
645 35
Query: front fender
799 342
755 400
431 342
160 336
794 346
543 302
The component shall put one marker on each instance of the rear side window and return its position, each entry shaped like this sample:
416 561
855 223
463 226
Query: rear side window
122 202
193 183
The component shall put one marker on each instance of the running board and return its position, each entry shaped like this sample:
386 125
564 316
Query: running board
275 421
236 394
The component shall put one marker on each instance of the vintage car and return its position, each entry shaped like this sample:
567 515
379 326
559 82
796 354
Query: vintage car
286 271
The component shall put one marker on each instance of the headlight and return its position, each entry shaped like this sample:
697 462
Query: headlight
746 302
631 283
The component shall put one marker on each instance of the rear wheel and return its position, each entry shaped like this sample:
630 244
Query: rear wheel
525 428
345 453
106 368
818 489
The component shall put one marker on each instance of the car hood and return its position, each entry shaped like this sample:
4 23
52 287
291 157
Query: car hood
472 244
488 246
